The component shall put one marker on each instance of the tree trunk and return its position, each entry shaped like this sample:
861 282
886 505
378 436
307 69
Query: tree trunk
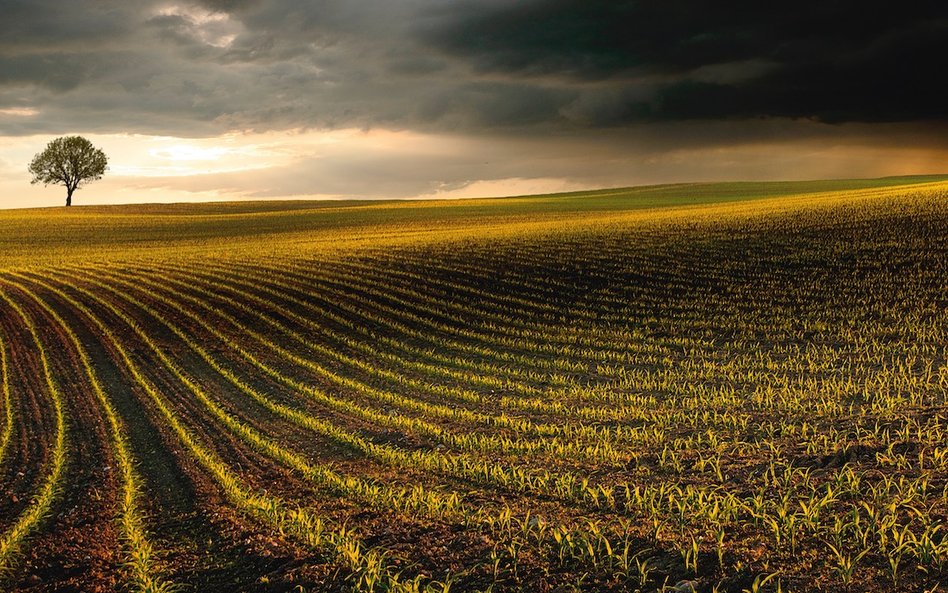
69 197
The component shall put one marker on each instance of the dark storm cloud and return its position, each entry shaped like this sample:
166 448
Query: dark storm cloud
55 72
834 61
485 66
51 25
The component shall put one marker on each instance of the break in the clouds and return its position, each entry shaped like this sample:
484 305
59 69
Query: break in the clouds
637 84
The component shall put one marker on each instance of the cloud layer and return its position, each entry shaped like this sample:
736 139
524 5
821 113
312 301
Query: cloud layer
464 65
643 79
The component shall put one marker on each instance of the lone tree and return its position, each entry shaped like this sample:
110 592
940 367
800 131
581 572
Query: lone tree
70 161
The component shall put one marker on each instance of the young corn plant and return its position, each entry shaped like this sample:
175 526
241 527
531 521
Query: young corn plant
846 563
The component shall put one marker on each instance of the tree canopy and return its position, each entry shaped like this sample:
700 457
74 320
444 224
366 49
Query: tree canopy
71 161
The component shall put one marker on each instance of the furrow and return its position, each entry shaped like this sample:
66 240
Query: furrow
15 538
139 552
600 451
567 486
299 523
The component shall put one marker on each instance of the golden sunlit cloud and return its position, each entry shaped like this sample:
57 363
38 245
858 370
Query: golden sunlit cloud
19 111
166 156
189 152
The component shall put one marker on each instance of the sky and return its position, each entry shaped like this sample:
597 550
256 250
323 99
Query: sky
295 99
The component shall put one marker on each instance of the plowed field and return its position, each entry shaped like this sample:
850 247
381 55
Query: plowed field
697 388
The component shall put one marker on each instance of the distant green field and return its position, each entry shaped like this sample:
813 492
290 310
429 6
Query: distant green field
104 232
736 387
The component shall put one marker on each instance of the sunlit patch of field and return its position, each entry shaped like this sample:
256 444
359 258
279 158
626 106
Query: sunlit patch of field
714 387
